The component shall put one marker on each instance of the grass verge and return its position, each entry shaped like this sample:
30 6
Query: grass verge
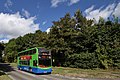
84 73
87 73
13 64
4 76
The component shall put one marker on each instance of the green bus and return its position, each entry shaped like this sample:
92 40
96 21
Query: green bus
36 60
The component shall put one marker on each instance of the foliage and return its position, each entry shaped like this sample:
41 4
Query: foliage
1 51
11 51
83 60
75 42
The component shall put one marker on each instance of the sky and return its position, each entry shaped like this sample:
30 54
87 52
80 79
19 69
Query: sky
19 17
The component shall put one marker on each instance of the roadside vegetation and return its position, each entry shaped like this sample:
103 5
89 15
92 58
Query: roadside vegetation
3 76
87 73
84 73
74 42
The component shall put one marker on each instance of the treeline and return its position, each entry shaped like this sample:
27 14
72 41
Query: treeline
75 42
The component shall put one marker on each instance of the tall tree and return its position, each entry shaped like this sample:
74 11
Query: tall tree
1 50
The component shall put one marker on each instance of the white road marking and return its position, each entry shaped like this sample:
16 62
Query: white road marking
9 76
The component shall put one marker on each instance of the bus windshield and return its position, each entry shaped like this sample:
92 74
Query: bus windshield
44 62
42 50
44 58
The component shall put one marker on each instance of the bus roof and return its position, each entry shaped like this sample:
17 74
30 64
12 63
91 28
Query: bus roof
29 49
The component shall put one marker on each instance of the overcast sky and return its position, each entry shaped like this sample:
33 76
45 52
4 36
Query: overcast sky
19 17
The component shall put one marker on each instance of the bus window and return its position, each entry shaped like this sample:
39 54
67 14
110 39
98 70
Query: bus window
21 54
28 62
35 63
25 53
30 52
34 51
44 62
42 50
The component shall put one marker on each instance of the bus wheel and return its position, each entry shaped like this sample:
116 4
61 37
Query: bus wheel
30 69
19 69
49 73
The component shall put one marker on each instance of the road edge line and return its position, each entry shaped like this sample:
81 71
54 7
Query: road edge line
9 76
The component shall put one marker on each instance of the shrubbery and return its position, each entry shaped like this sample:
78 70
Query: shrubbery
75 42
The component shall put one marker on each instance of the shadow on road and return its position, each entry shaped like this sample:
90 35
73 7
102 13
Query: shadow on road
37 73
5 67
42 73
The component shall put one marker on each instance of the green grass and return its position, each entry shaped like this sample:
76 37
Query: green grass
87 73
3 76
13 64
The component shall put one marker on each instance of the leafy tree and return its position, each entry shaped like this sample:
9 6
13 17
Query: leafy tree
75 42
1 50
11 51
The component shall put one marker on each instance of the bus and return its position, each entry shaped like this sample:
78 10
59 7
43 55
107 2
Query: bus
35 60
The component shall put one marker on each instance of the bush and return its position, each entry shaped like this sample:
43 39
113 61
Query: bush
83 60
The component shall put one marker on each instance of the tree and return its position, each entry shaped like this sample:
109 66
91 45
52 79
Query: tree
11 51
75 42
1 50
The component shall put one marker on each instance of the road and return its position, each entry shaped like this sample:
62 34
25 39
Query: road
15 74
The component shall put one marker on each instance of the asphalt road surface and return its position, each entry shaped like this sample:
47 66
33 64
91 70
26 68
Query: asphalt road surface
15 74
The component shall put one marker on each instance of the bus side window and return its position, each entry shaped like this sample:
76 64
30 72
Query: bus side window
35 63
30 52
28 62
34 51
24 53
19 62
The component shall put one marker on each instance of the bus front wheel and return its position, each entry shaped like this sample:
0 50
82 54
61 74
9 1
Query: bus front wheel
30 69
